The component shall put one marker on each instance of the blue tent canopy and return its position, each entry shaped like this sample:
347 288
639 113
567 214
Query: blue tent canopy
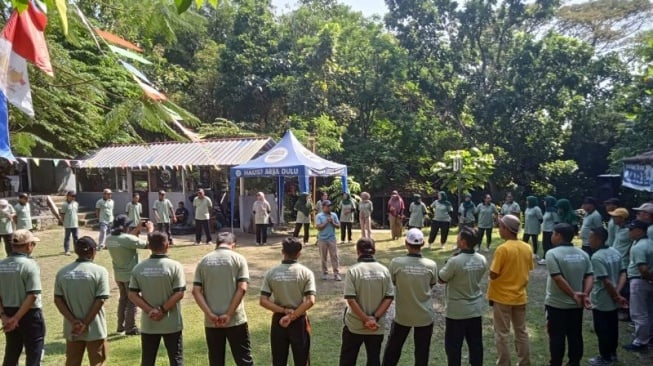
288 158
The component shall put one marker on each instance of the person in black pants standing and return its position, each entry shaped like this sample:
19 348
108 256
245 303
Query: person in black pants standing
304 207
20 302
261 210
292 286
442 210
203 207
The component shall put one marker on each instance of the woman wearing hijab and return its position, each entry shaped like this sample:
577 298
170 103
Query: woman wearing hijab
417 210
365 209
532 223
466 212
550 219
347 209
566 214
442 209
261 210
396 209
487 213
303 206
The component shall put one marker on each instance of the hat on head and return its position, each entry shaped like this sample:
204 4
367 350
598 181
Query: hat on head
121 220
106 191
589 201
23 236
4 203
85 244
162 192
511 222
71 193
638 224
646 207
415 237
612 201
620 212
326 203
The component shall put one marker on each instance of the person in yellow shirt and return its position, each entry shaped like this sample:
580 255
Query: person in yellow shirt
509 275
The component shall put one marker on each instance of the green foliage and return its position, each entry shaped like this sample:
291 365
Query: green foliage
553 173
334 190
464 169
222 128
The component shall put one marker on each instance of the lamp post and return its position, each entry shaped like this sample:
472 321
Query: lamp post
457 168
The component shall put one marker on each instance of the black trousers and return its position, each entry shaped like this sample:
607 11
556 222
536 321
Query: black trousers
536 244
7 242
398 335
202 225
437 226
30 334
546 242
261 233
298 226
345 227
297 336
606 326
238 338
150 347
488 236
351 345
470 330
164 227
565 325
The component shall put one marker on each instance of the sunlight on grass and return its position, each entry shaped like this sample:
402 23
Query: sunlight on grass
325 317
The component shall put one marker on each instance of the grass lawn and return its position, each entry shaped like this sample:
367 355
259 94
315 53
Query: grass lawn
326 316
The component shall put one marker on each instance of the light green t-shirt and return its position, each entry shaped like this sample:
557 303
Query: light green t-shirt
441 212
163 208
649 232
79 284
417 212
622 241
347 212
369 283
590 221
510 208
70 210
413 277
640 253
106 210
467 217
606 263
463 275
533 221
549 220
486 215
365 208
23 216
612 232
157 278
20 275
202 208
574 265
124 256
6 220
219 274
288 283
134 211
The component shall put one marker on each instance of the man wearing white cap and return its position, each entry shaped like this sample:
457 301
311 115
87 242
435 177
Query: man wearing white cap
645 213
509 275
104 214
7 214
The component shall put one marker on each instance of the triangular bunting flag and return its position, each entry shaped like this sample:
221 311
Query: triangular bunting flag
55 162
36 161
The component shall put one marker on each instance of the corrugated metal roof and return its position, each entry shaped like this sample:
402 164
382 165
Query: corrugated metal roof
222 152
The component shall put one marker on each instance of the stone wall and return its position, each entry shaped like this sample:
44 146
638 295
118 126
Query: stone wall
42 217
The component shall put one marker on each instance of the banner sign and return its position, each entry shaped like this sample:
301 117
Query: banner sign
638 176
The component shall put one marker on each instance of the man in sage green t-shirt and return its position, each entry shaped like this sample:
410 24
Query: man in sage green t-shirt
157 286
220 283
369 293
567 293
7 214
80 289
463 274
413 277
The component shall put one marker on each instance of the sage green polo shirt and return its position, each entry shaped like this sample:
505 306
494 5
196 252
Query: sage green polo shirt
202 208
163 208
606 263
20 275
533 221
640 253
123 249
23 216
574 265
549 220
70 210
288 283
622 241
157 278
441 212
486 215
463 275
590 221
612 232
366 208
509 208
417 212
134 211
347 212
79 284
369 283
469 217
6 222
413 277
106 210
219 274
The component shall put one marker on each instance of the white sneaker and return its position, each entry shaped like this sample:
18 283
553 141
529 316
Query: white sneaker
542 262
337 277
342 243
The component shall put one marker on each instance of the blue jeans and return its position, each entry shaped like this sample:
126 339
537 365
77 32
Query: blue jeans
104 231
66 237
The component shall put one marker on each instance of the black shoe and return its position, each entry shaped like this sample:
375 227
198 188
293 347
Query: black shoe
635 347
120 330
134 331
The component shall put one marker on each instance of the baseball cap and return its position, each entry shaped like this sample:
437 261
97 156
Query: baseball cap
646 207
121 220
620 212
85 244
24 236
326 203
638 224
511 222
106 191
4 203
612 201
415 237
162 192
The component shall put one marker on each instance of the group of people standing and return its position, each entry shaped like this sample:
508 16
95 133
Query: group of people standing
12 218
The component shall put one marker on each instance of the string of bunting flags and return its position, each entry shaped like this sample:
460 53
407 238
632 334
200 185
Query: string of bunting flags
73 163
